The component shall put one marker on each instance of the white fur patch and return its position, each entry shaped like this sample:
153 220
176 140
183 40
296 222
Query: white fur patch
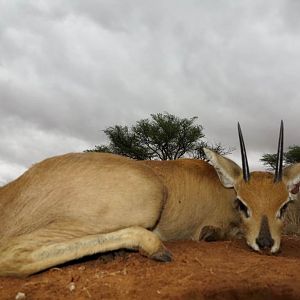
275 247
254 246
226 180
208 153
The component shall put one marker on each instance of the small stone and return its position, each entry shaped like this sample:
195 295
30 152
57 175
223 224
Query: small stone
71 286
20 296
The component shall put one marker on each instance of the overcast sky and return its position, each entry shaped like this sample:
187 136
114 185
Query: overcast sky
69 69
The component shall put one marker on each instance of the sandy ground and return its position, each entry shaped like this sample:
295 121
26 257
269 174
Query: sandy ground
200 270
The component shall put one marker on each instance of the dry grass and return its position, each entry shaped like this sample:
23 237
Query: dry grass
292 219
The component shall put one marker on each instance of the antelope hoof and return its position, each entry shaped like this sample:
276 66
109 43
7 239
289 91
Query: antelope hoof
163 255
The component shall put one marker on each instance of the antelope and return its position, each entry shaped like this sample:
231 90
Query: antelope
79 204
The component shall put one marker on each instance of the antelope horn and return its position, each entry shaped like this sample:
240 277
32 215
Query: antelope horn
246 173
279 162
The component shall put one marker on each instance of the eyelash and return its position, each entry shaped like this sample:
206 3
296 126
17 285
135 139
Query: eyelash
241 207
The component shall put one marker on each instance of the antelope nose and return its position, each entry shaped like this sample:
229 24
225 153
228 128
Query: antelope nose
264 242
264 239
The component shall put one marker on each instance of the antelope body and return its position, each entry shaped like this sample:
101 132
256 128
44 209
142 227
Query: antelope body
74 205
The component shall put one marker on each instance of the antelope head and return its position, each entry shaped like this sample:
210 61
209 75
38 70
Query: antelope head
262 197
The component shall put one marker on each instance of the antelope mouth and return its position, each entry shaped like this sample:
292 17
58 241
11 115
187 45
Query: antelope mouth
264 250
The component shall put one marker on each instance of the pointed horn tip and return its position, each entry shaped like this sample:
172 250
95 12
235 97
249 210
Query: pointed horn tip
245 168
239 129
279 162
281 125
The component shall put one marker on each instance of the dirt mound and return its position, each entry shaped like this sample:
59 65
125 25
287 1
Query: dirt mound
200 270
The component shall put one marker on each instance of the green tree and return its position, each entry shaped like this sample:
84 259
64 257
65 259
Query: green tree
290 157
269 160
163 136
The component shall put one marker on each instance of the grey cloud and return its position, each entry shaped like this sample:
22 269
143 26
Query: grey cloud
68 70
291 15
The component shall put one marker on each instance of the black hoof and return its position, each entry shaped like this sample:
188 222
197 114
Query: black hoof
164 256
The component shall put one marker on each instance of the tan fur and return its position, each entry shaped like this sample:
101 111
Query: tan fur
264 198
196 198
74 205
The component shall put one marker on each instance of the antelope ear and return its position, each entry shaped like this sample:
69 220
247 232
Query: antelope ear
228 171
291 177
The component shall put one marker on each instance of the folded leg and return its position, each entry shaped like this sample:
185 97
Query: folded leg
34 252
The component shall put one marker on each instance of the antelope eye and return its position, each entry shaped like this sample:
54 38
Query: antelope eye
283 210
241 207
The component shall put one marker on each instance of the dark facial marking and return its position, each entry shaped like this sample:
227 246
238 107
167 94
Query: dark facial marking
283 210
241 207
264 240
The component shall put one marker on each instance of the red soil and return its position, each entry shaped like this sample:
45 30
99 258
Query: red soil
199 270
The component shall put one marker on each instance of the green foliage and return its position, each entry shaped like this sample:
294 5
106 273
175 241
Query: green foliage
101 148
290 157
163 136
167 136
269 160
125 142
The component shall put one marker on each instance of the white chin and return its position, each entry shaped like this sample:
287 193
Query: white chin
253 246
275 248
